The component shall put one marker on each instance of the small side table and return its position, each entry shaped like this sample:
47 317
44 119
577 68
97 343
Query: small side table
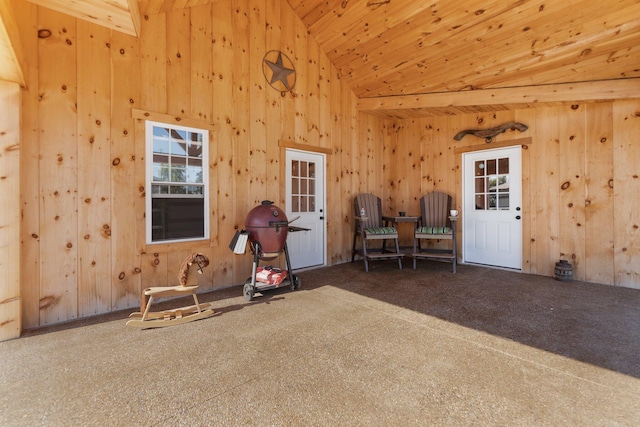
397 219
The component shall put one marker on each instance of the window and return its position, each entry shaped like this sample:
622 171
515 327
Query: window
303 186
492 184
177 196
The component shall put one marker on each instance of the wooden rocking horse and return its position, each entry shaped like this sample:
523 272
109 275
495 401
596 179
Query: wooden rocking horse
188 283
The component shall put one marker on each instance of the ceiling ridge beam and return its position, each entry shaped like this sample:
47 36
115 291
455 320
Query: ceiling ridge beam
604 90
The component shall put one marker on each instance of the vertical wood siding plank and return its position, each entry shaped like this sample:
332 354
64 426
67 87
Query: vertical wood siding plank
626 167
125 94
339 196
94 192
153 60
27 17
259 165
312 80
58 169
289 106
599 212
202 101
544 189
301 99
201 67
571 177
10 296
273 105
224 185
527 117
178 37
243 200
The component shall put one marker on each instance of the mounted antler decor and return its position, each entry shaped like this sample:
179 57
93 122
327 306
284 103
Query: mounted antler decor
488 134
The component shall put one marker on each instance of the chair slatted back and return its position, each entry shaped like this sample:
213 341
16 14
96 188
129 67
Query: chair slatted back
372 207
434 209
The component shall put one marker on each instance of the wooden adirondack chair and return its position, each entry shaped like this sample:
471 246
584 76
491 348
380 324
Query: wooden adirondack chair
369 228
435 224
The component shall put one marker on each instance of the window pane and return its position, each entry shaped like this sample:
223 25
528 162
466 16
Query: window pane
179 134
479 168
492 184
195 150
312 170
178 148
178 173
177 218
312 187
196 137
295 168
295 204
295 185
160 132
194 174
503 201
503 165
303 204
160 168
303 169
161 146
303 186
178 189
312 204
480 202
491 167
492 200
195 189
479 185
503 183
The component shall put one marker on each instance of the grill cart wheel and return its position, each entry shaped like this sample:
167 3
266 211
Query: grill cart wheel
248 291
295 282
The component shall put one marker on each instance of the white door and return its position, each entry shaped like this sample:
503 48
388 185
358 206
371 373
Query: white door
305 201
492 211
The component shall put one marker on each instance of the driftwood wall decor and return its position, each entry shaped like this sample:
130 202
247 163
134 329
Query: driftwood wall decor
488 134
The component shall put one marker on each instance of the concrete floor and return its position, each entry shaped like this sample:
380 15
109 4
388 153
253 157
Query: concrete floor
385 348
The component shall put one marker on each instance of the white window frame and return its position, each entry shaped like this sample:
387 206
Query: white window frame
149 137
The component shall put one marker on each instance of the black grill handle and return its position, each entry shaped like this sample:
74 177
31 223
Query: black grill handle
278 224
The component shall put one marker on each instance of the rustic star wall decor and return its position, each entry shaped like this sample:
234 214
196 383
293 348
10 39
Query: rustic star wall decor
279 71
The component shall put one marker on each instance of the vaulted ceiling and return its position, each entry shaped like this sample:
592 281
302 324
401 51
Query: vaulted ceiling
445 56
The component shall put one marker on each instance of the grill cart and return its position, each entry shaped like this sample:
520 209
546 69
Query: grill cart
268 227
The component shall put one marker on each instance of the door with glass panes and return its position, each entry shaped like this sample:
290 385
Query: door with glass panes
492 211
305 192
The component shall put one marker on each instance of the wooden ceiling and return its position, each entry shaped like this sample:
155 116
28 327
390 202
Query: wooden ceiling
404 58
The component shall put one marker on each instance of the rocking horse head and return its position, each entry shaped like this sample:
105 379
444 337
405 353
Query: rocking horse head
194 262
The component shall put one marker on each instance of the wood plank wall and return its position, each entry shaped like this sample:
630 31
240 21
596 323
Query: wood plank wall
82 156
83 243
10 297
580 182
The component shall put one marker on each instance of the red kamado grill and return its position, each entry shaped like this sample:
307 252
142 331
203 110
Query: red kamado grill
268 228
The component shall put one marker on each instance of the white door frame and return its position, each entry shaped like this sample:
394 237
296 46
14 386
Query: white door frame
513 215
321 159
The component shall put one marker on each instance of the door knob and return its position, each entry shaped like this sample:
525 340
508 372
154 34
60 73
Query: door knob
517 216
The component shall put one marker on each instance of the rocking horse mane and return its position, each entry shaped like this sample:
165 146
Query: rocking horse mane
183 274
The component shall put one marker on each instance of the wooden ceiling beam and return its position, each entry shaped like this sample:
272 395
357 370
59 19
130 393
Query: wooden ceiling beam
12 62
118 15
605 90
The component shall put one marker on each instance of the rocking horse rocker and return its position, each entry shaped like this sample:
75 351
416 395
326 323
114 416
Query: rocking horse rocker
188 283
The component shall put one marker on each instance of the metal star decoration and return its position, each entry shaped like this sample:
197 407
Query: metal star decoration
279 71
